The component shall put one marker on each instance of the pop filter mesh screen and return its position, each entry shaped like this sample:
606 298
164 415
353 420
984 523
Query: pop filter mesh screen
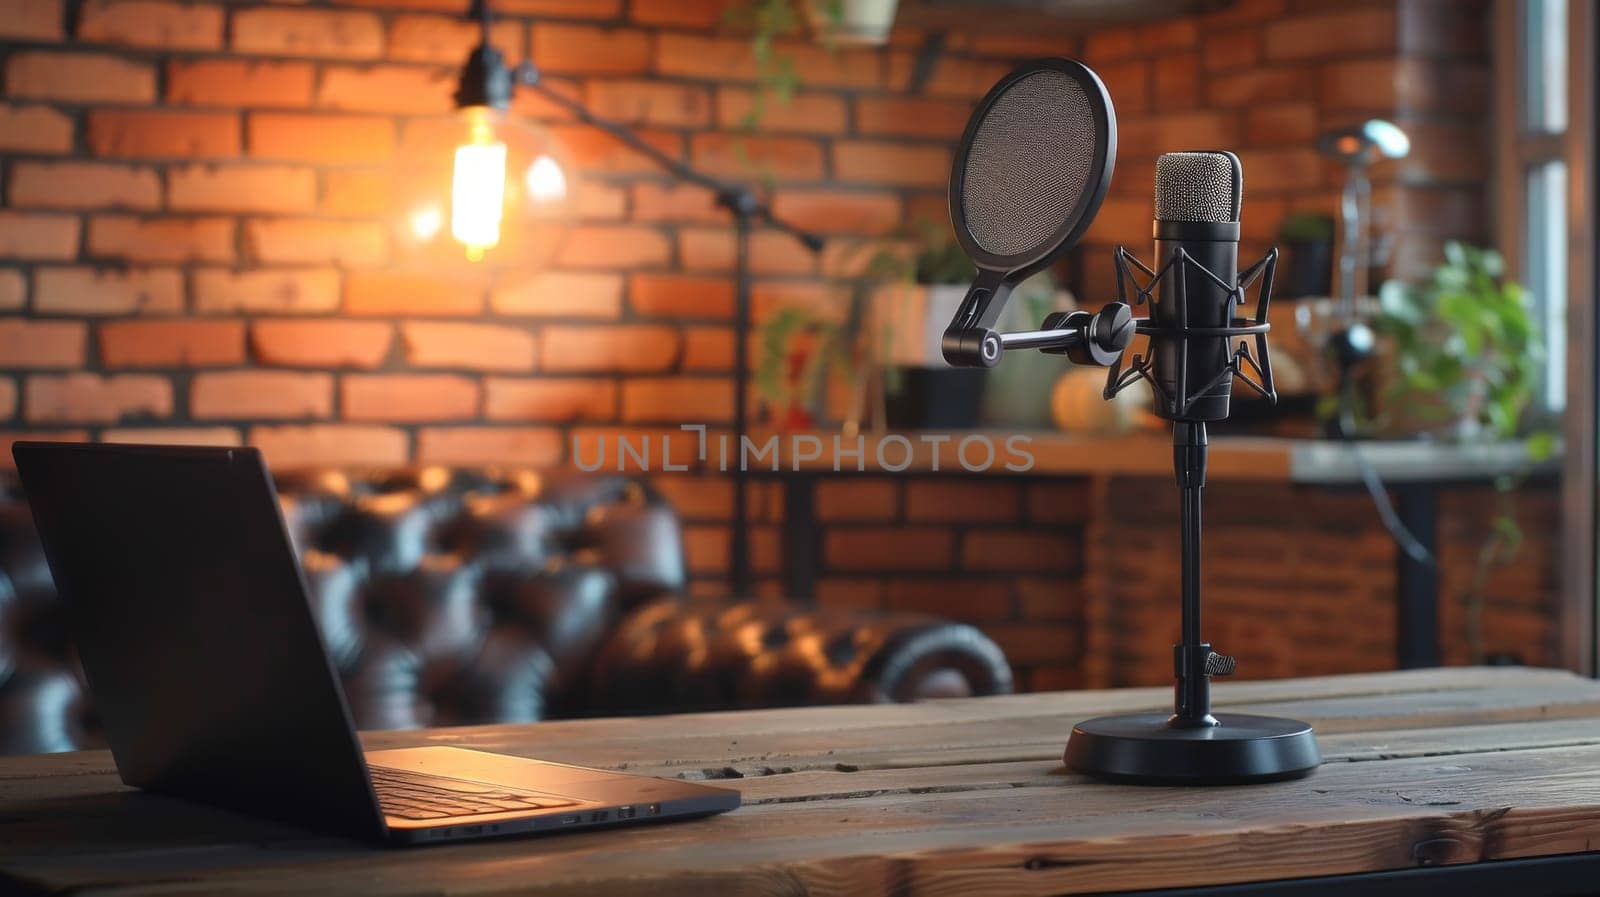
1028 163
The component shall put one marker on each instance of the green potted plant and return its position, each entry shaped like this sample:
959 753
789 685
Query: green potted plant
1466 353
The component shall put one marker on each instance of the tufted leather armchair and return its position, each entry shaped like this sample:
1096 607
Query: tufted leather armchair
451 597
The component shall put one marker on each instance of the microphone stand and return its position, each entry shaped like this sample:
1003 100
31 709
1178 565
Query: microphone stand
746 208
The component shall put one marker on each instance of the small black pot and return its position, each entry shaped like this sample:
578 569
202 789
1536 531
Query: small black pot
1310 270
936 399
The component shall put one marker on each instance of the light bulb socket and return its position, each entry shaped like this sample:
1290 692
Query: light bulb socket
485 80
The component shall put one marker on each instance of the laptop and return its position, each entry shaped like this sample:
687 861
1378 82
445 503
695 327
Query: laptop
212 680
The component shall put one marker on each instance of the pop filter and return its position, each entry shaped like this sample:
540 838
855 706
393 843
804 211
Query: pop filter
1029 176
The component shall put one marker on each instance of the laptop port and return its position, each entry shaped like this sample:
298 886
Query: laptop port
570 819
653 810
599 816
625 813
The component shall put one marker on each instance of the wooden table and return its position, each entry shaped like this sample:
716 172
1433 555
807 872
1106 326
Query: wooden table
1433 772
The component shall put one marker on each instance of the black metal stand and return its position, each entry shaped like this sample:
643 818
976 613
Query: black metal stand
746 208
1192 746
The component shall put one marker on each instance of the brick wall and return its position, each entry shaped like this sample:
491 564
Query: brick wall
196 245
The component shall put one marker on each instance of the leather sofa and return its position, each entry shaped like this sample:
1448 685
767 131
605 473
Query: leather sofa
453 597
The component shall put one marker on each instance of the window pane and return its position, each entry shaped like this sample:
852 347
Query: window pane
1546 251
1544 66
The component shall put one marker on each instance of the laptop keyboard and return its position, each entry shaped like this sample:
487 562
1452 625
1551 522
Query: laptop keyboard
416 795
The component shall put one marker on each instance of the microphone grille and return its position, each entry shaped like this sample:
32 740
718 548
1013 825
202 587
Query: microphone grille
1198 186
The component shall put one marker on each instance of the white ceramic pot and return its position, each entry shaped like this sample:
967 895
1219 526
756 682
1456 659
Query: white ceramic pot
862 23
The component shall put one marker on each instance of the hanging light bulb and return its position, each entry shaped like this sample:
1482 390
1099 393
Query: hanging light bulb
482 184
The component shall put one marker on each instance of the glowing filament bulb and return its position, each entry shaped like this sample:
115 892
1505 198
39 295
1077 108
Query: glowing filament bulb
477 195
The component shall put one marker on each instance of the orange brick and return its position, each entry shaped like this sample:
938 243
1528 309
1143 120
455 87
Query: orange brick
79 77
956 501
1063 501
837 67
13 288
1284 169
161 239
218 290
358 192
697 56
650 102
1177 81
966 78
242 188
593 150
91 398
34 129
448 39
388 88
320 138
1129 85
857 499
614 247
409 293
307 240
1258 85
155 344
654 201
8 398
677 400
686 13
151 23
559 294
1228 50
316 344
1282 123
786 158
911 117
1036 643
1106 44
30 20
172 435
42 344
83 185
478 347
771 252
623 347
902 548
588 50
96 291
1150 137
252 395
804 113
330 445
408 397
680 296
839 212
232 82
705 549
38 236
308 32
708 349
550 399
891 163
162 134
1013 550
1342 33
564 9
520 446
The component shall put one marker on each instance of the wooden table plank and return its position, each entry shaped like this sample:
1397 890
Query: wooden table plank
933 799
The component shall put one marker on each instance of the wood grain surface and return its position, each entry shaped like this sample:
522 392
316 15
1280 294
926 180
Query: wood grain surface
958 797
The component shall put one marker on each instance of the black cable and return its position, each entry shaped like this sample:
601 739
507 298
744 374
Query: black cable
1344 425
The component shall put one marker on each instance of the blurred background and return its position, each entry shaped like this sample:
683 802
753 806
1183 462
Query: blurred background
216 229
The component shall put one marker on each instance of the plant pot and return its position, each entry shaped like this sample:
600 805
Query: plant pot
861 23
935 398
1310 269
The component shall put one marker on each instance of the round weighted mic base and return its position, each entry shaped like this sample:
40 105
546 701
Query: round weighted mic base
1143 749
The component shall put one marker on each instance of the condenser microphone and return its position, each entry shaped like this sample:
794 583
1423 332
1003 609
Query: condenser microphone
1198 195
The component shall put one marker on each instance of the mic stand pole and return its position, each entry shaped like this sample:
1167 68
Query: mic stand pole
1193 661
746 208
